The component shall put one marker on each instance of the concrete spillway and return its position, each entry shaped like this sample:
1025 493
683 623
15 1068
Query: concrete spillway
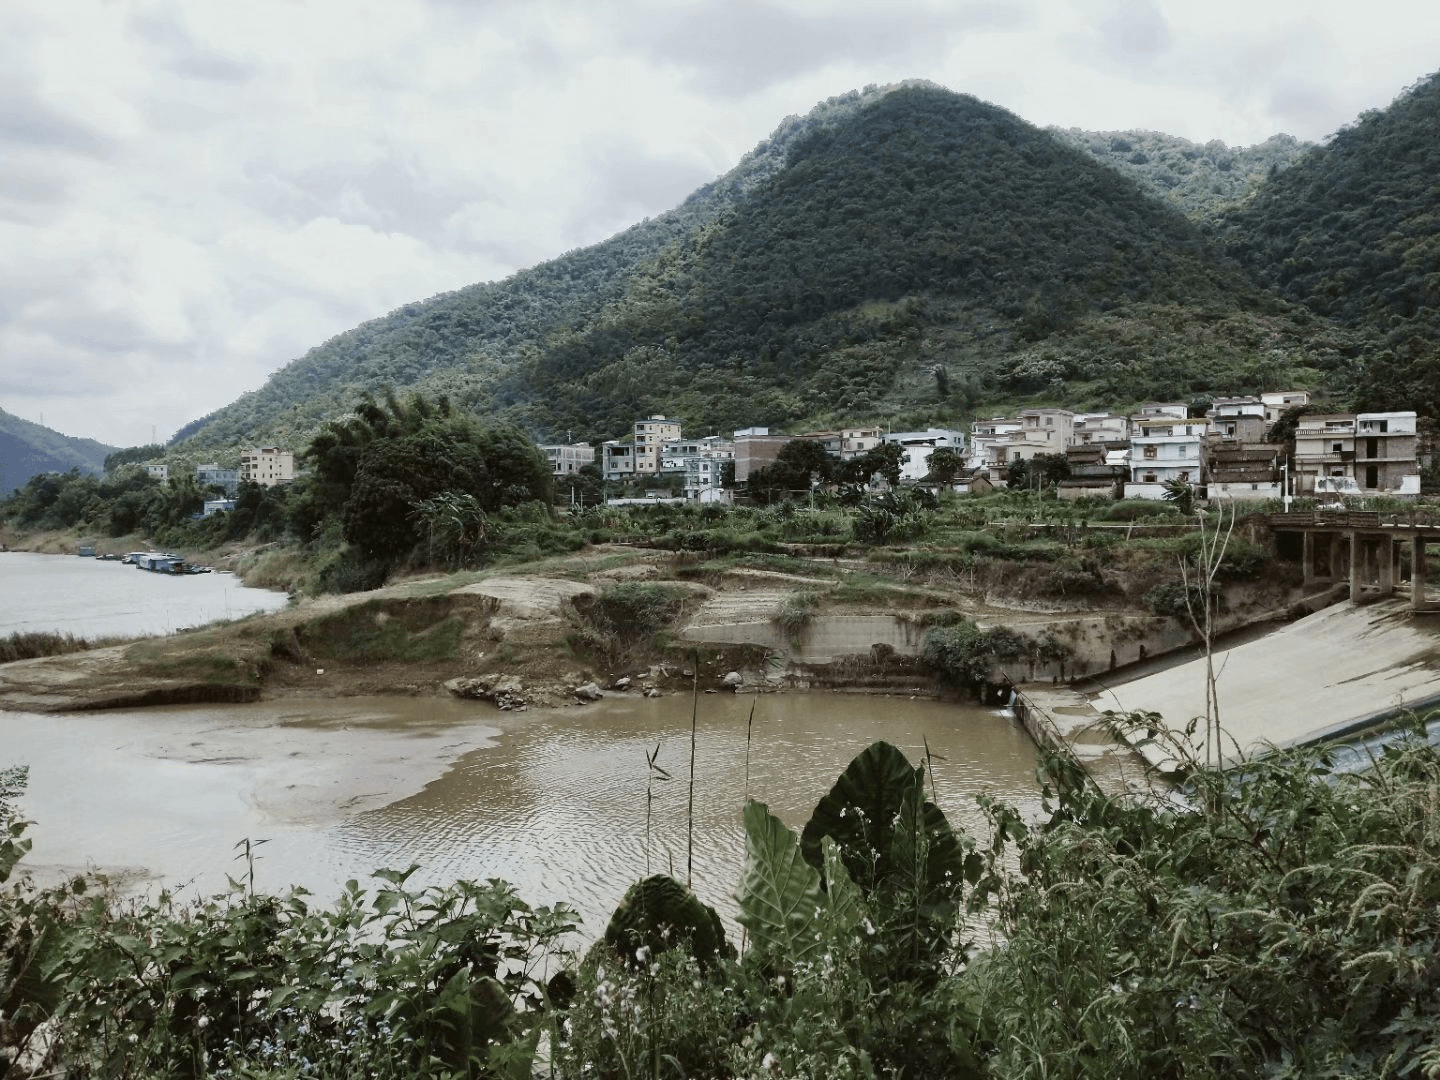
1308 680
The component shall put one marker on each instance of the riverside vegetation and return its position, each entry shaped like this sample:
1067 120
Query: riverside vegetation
1279 920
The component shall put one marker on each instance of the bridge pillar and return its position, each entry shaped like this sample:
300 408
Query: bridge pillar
1417 573
1307 557
1385 556
1357 557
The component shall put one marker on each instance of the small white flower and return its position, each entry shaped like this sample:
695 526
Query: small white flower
770 1063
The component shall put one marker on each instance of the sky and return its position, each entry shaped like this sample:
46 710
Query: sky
193 192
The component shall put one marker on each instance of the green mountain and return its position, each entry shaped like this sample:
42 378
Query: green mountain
1201 181
27 449
1352 231
902 255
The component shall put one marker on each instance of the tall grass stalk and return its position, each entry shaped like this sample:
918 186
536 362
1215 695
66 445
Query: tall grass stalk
655 772
690 807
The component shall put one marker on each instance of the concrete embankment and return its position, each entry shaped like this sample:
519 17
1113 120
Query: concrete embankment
1333 671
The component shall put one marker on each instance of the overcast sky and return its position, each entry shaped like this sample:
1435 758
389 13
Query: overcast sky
195 192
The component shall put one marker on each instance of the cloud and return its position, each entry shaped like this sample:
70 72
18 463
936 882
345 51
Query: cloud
736 48
195 194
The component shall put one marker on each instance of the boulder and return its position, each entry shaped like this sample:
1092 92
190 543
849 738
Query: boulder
589 692
505 691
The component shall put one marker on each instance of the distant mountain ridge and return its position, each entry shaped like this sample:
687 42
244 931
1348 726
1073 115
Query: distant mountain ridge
27 448
904 253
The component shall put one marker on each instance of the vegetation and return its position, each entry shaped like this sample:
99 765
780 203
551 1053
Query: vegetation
1280 920
1199 181
1350 232
912 254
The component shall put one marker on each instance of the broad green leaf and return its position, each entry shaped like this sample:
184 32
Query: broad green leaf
780 896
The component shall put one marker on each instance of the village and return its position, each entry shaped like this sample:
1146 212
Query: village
1230 453
1226 454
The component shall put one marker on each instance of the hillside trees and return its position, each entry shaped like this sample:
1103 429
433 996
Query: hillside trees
377 470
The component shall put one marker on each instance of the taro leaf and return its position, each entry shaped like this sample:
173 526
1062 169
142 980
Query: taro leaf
847 906
860 811
780 896
660 913
928 874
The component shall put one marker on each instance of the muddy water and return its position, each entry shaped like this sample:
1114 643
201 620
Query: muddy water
553 801
91 598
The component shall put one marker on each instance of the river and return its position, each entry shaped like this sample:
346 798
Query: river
554 801
95 598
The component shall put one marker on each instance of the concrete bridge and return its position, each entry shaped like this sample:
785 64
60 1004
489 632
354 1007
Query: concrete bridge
1374 552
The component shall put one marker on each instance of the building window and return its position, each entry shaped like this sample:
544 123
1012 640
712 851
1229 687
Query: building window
1149 478
1151 451
1337 448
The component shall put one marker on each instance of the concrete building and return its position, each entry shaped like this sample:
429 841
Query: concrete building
1277 402
1089 428
755 448
919 445
1240 419
617 460
1324 448
989 441
267 466
567 459
854 442
1042 431
1164 448
1152 410
211 474
1092 473
674 456
158 472
1238 472
650 435
1386 461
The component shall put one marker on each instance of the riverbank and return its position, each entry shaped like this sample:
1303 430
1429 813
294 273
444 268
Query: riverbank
612 619
1333 672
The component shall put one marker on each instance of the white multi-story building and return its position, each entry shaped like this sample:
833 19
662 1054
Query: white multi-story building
1042 431
1277 402
854 442
267 466
919 445
989 441
1164 448
1089 428
566 459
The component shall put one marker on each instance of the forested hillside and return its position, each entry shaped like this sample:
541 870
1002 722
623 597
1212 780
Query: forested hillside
907 255
1199 180
27 449
1353 233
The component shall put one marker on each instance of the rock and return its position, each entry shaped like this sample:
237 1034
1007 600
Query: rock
652 692
505 691
589 692
732 680
622 683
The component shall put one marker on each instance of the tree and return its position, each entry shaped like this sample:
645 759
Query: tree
1043 470
945 464
800 465
496 466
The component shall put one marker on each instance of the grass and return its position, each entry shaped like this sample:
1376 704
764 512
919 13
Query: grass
34 644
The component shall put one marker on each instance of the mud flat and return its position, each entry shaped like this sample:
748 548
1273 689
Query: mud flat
1336 670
